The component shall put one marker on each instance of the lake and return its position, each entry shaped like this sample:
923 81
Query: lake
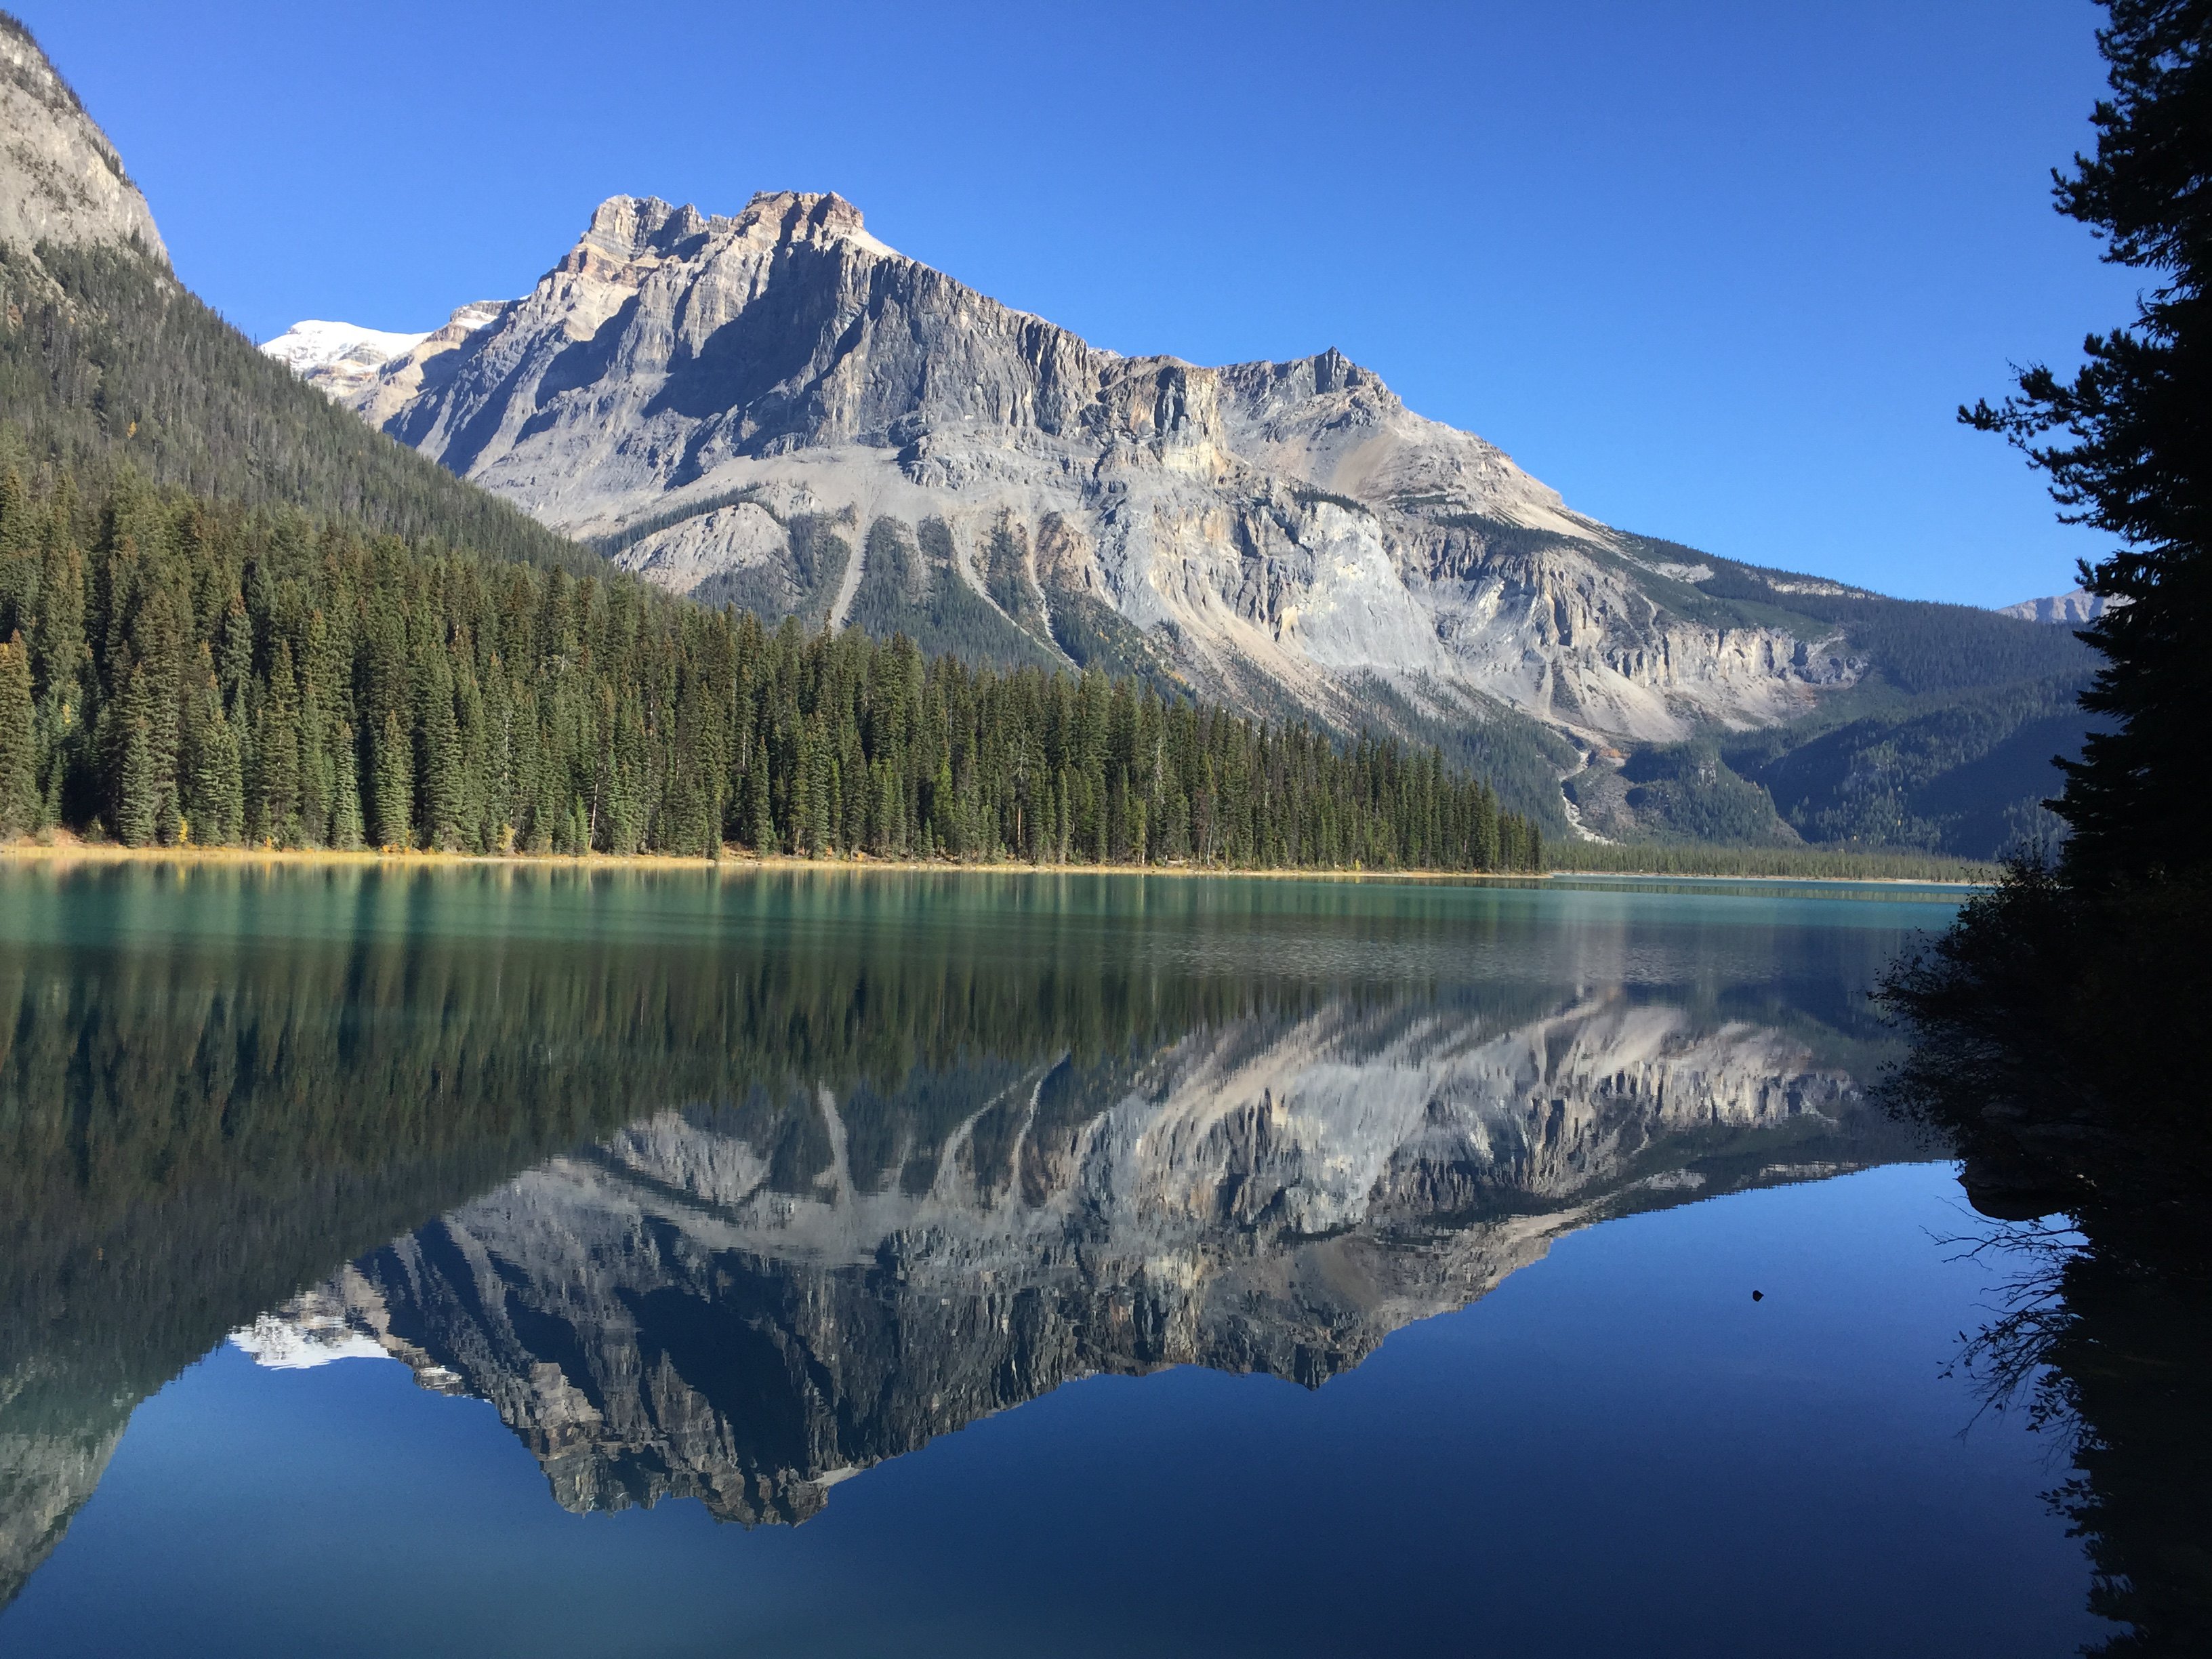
515 1259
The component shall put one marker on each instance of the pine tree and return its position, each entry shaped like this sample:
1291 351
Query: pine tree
59 660
393 798
2130 461
273 807
346 803
437 753
19 776
134 789
200 773
759 821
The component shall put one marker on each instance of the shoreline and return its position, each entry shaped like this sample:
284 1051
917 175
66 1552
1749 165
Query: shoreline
73 851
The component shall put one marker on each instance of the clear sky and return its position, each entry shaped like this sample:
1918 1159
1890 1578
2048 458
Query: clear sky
1720 272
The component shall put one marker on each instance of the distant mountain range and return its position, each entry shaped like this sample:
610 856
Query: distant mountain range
777 410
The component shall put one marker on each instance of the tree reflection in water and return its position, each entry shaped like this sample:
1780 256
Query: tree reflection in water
2057 1044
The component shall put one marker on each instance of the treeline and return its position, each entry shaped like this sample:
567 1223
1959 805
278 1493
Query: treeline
173 671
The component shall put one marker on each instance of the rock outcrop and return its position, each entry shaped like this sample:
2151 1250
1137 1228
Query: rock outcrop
733 404
61 181
2069 610
665 1314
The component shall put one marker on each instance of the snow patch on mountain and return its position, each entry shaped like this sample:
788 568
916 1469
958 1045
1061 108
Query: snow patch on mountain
337 358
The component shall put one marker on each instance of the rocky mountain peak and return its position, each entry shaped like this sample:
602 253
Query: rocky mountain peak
627 231
775 409
807 216
61 180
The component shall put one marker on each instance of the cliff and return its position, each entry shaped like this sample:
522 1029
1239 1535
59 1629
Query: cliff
66 185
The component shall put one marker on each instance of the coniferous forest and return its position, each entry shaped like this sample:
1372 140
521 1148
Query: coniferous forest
175 671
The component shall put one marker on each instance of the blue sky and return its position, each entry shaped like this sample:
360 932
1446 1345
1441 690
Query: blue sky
1718 271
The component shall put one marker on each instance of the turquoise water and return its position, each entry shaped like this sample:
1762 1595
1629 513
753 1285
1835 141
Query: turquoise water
512 1260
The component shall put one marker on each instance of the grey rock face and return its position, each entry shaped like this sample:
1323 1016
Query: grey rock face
60 179
1264 531
2068 610
663 1317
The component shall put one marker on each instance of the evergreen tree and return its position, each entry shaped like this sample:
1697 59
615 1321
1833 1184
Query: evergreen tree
273 807
58 656
2131 460
2056 1021
345 805
211 775
393 799
760 825
19 776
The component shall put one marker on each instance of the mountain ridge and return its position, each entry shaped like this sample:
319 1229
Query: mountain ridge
109 364
1278 526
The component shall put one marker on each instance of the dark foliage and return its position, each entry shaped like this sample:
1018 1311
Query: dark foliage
1913 645
908 585
1519 757
1964 773
2125 444
820 548
2059 1026
2057 1033
607 546
1688 792
190 673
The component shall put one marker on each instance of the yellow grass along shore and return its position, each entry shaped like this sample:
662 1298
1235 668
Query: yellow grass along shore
60 848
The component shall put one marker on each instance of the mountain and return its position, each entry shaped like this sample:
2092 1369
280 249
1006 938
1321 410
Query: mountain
341 359
778 409
107 362
1289 525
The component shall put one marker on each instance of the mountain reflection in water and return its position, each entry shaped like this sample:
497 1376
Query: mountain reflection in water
665 1313
731 1191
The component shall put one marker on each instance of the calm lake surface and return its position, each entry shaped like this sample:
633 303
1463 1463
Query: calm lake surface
495 1261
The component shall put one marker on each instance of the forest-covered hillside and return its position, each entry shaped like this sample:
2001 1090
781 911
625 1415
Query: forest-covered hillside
1943 745
105 358
175 670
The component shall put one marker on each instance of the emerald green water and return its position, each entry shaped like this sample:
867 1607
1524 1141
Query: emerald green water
979 1263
